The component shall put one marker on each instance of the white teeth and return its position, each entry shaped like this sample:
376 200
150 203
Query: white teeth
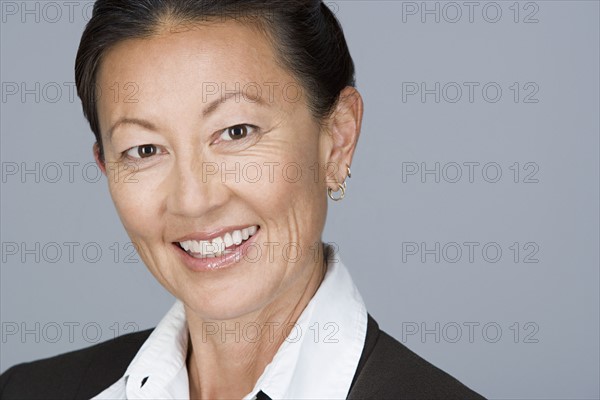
237 237
228 239
218 245
206 247
195 247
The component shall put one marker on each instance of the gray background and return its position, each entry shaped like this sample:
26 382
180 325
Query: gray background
548 311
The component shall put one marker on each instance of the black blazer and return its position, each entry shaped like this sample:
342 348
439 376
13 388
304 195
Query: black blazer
386 370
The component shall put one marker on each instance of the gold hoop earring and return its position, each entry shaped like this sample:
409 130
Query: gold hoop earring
343 190
341 186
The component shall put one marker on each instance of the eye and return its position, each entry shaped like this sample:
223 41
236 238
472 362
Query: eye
143 151
237 132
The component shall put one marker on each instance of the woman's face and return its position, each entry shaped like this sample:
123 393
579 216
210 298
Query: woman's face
190 160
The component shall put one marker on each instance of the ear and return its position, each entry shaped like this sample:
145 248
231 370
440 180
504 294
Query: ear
344 129
99 160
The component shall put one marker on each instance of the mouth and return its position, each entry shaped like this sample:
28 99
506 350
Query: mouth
217 246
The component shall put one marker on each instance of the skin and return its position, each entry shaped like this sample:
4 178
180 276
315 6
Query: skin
168 195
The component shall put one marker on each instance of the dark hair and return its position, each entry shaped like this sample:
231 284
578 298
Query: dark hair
307 36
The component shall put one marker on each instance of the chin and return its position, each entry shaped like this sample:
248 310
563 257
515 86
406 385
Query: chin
227 305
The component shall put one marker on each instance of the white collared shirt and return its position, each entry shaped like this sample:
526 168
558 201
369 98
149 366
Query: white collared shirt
317 360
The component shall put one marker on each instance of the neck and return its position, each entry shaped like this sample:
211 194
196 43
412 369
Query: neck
228 364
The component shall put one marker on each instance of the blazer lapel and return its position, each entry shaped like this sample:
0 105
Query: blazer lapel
363 382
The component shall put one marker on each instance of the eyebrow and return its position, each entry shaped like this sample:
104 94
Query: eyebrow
213 105
211 108
131 121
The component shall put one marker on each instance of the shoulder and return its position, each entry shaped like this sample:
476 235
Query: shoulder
388 369
77 374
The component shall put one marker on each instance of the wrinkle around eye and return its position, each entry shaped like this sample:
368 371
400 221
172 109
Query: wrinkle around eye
226 133
226 144
126 160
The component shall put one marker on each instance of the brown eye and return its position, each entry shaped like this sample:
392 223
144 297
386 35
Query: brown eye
237 132
143 151
146 150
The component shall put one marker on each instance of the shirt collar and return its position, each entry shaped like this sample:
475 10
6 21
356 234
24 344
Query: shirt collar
160 363
318 359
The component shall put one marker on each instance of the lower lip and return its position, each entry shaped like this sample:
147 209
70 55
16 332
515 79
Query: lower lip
219 262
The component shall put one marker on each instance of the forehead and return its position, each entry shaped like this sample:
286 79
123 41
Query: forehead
227 47
189 64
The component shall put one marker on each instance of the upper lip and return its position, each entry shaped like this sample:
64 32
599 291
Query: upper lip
211 234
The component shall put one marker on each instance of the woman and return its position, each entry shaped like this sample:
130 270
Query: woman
222 127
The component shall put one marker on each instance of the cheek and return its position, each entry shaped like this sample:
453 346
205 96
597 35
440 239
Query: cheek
291 197
138 204
279 173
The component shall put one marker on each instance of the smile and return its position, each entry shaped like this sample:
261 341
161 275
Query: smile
218 246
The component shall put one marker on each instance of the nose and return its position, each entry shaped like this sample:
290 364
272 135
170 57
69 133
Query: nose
196 188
